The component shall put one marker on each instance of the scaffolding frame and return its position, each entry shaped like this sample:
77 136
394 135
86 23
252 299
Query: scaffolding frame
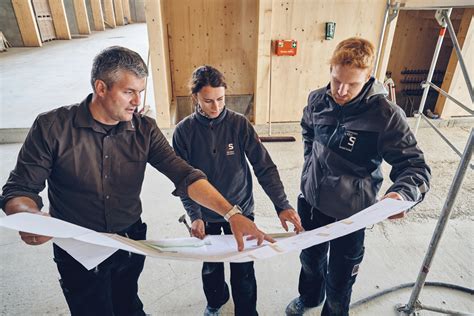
443 17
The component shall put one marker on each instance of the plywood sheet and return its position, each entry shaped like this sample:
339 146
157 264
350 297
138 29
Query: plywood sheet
221 33
303 20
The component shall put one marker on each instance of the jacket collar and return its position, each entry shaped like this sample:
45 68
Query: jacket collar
372 90
210 122
84 119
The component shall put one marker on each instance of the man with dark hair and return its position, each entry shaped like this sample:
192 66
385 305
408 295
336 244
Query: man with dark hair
93 155
349 128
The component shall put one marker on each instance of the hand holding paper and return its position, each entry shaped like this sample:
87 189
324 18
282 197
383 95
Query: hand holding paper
90 248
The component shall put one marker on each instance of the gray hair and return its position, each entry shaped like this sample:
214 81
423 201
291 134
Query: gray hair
111 60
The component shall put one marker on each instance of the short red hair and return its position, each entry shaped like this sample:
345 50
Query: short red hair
354 52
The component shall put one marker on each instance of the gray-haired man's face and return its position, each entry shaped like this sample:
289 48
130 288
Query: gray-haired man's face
120 100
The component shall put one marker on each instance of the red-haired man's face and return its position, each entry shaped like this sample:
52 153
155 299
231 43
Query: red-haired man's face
347 82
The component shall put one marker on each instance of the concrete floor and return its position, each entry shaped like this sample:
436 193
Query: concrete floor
394 253
394 249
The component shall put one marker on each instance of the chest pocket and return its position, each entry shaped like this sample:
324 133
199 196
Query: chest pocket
324 127
130 177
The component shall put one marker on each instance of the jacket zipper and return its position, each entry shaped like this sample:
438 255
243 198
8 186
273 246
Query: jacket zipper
340 118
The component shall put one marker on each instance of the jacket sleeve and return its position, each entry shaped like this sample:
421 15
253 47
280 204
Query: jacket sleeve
192 208
264 168
307 129
33 165
164 159
410 173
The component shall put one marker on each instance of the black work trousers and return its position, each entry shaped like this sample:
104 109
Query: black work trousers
333 278
242 279
109 289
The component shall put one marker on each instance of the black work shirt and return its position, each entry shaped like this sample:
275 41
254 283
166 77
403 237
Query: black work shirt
220 147
94 177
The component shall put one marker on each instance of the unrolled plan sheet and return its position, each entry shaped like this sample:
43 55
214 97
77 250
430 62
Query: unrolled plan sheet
91 248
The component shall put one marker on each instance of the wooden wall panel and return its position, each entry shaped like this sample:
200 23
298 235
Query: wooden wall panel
262 80
44 20
82 18
58 12
118 9
109 14
26 22
221 33
126 11
235 37
97 15
304 20
159 69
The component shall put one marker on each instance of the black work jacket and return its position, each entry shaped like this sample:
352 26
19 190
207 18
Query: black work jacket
94 177
345 146
219 147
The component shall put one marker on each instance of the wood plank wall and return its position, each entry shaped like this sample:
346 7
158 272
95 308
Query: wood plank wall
27 23
218 33
58 12
294 77
225 34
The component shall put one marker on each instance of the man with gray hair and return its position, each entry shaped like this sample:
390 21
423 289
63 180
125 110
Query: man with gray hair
93 155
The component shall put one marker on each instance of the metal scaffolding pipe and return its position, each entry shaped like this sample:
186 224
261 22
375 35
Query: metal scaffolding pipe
458 52
442 31
431 8
409 309
382 34
444 93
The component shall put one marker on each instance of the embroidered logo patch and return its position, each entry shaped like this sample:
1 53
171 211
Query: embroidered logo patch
230 149
348 141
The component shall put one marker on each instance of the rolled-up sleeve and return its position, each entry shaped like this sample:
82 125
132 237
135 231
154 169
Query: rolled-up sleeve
165 160
33 165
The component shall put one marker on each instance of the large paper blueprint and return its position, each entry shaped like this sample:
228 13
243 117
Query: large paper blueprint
91 248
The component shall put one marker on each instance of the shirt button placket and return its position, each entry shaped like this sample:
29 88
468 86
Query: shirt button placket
106 166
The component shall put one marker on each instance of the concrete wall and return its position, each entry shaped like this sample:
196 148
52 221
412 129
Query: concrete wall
8 24
71 17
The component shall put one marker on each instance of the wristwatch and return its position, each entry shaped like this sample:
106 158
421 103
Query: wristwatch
235 210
